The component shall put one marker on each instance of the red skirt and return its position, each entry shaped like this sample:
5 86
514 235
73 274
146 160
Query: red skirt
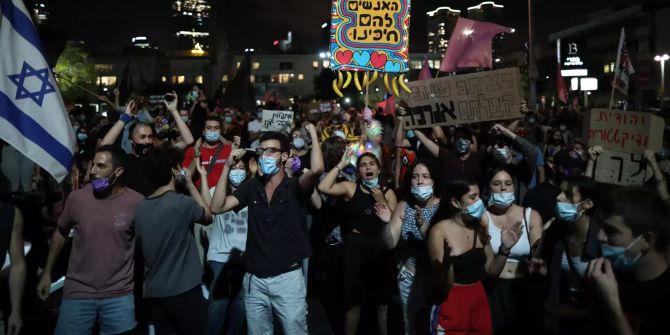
465 311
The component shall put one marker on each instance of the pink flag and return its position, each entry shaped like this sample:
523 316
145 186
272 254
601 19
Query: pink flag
388 105
425 71
470 44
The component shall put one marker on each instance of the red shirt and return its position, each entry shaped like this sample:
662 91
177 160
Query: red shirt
205 157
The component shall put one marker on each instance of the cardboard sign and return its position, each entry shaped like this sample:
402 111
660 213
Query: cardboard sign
462 99
624 131
370 35
620 168
276 120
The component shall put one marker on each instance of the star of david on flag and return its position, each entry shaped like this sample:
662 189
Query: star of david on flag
33 118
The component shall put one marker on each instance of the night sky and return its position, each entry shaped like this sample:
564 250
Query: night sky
108 25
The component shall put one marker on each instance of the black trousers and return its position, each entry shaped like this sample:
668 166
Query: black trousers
185 313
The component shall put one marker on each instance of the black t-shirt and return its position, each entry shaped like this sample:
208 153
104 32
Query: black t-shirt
542 198
135 175
646 304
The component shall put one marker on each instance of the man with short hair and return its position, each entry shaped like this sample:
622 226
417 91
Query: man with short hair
99 279
632 280
276 241
212 150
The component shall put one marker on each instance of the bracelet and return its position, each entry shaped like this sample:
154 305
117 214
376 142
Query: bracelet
126 118
338 168
500 252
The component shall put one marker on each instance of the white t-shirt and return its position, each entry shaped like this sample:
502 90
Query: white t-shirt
229 232
253 127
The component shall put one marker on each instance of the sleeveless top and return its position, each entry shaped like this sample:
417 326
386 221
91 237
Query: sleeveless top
469 266
410 233
521 249
6 227
361 213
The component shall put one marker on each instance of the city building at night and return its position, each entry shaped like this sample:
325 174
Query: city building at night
191 21
40 13
441 22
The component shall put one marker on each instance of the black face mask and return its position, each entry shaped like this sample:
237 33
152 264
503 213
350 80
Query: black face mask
142 150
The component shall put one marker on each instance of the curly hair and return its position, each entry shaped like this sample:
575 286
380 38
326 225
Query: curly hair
159 164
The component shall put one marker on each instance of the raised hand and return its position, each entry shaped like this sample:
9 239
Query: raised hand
130 108
346 157
602 276
383 212
594 152
171 105
234 156
509 237
236 141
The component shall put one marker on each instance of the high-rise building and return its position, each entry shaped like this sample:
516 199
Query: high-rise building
191 19
40 13
488 11
441 22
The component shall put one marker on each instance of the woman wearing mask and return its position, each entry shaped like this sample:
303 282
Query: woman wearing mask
227 243
299 147
368 267
508 308
461 255
409 225
571 242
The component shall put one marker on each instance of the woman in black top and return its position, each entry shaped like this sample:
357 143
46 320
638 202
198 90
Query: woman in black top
461 254
368 267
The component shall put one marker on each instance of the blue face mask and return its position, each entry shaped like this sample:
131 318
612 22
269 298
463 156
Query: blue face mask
410 134
567 211
227 119
501 199
476 210
269 166
617 255
371 183
237 176
462 146
82 136
298 142
212 136
422 193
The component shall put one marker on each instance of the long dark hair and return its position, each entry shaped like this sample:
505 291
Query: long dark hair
454 188
406 186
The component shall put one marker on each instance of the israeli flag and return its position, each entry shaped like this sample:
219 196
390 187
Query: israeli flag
33 118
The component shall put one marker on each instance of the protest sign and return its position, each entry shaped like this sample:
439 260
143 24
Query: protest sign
370 35
462 99
624 131
276 120
620 168
319 107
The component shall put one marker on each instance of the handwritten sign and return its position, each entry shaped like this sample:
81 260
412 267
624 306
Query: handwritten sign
462 99
371 35
276 120
625 131
620 168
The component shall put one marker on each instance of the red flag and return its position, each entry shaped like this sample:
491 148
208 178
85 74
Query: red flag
470 44
425 71
560 85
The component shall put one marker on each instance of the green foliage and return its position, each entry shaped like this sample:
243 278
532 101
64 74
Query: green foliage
74 67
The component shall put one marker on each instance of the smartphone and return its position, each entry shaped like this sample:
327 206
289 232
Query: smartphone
169 97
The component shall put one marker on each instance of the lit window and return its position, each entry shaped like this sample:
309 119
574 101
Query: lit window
606 68
315 64
224 78
174 79
107 80
181 79
198 79
252 79
103 67
256 65
415 65
301 76
326 63
612 67
163 79
238 65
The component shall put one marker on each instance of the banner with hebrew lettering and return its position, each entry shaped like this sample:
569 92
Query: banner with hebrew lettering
463 99
277 120
624 131
370 35
620 168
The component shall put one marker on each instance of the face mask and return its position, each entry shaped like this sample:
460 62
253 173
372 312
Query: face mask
339 133
237 176
410 134
617 255
422 193
476 210
184 118
501 154
462 146
194 93
567 211
371 183
501 199
102 185
212 136
142 149
299 142
228 119
269 166
82 136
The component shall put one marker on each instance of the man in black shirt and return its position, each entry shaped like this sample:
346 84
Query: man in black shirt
633 278
276 241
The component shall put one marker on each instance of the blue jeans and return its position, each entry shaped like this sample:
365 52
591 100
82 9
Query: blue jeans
225 309
78 316
411 300
284 295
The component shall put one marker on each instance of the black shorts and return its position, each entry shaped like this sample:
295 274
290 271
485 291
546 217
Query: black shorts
369 271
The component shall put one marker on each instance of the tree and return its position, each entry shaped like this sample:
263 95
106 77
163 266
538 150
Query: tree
73 68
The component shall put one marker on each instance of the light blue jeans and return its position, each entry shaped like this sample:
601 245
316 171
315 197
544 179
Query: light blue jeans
411 300
78 316
283 295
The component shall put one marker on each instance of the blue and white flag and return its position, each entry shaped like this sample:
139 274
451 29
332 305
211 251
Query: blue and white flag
33 118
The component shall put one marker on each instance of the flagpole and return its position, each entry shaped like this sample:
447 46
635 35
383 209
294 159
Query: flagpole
75 84
616 67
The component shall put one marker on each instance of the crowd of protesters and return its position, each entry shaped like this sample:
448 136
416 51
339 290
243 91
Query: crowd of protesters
184 217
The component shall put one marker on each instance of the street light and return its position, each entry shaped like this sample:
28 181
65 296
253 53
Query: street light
662 60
